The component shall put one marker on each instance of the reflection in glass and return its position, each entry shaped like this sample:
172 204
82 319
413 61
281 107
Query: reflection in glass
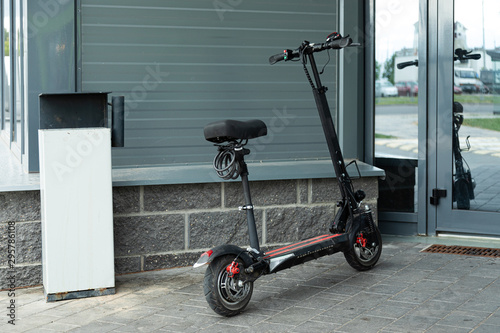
6 67
396 103
463 183
476 125
17 53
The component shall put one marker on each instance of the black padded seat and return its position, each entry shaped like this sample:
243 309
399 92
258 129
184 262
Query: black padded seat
234 130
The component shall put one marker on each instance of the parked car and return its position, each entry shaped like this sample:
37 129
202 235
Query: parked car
457 90
407 88
468 80
385 89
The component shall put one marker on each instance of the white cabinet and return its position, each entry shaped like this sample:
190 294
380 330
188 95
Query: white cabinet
77 212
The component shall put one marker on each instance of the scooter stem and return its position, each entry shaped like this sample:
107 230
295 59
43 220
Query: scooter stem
252 227
331 137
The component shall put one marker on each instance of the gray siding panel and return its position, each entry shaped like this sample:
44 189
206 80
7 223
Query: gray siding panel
183 64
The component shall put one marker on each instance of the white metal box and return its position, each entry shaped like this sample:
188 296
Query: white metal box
77 212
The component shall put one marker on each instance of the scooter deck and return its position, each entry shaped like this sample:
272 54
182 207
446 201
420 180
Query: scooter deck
309 249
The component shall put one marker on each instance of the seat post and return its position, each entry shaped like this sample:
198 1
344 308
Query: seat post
252 227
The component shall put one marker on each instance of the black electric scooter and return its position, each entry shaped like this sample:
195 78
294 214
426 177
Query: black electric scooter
228 283
463 183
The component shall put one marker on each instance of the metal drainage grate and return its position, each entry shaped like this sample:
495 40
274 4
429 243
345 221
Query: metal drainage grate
463 250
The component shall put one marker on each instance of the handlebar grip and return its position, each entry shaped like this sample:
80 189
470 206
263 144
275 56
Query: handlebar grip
276 58
402 65
339 43
307 48
286 55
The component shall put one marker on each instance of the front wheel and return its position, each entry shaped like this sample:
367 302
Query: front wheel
226 294
366 245
462 195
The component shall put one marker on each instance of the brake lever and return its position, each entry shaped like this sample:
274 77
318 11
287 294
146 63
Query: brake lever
467 143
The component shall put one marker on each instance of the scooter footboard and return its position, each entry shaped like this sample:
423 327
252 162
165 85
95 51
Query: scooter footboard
309 249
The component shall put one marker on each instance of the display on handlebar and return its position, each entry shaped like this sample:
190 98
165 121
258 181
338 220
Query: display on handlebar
333 41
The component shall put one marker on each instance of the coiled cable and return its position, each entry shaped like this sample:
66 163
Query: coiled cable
225 163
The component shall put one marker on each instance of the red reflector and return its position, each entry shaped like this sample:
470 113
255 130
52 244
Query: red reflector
204 258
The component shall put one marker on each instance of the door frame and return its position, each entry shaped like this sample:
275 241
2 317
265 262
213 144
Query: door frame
426 82
442 218
404 223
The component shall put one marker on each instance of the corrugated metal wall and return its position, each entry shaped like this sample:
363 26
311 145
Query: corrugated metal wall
183 64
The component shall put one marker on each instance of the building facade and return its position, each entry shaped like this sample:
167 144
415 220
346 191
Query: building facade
181 65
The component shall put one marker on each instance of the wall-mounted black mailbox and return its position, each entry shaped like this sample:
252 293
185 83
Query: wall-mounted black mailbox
73 110
82 110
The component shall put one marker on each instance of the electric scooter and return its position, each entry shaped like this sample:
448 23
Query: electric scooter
463 183
231 271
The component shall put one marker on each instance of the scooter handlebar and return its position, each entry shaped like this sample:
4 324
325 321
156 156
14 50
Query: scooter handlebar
276 58
285 55
307 47
402 65
338 44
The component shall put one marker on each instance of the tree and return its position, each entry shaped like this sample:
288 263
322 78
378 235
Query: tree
389 68
6 46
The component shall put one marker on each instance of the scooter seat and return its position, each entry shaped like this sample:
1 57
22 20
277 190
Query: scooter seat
234 130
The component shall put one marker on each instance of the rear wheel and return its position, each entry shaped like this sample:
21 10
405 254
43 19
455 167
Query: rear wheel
226 294
366 245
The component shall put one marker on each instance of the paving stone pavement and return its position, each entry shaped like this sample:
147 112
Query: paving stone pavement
408 291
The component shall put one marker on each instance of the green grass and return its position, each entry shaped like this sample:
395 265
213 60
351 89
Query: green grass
396 100
383 136
476 99
464 99
486 123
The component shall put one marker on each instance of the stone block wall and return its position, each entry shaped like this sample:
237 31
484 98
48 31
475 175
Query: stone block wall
168 226
23 208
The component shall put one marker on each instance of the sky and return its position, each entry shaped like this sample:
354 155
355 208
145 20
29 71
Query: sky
471 17
394 26
395 19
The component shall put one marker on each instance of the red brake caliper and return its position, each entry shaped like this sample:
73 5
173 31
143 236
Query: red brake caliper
232 269
361 240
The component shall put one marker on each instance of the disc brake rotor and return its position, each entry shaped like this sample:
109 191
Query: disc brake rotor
364 249
230 289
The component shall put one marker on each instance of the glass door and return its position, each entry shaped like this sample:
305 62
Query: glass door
6 108
468 158
12 76
17 77
397 25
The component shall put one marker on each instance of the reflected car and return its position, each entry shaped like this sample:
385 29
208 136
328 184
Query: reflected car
385 89
407 88
468 80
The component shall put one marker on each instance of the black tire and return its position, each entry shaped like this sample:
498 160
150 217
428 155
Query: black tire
223 293
359 257
462 194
